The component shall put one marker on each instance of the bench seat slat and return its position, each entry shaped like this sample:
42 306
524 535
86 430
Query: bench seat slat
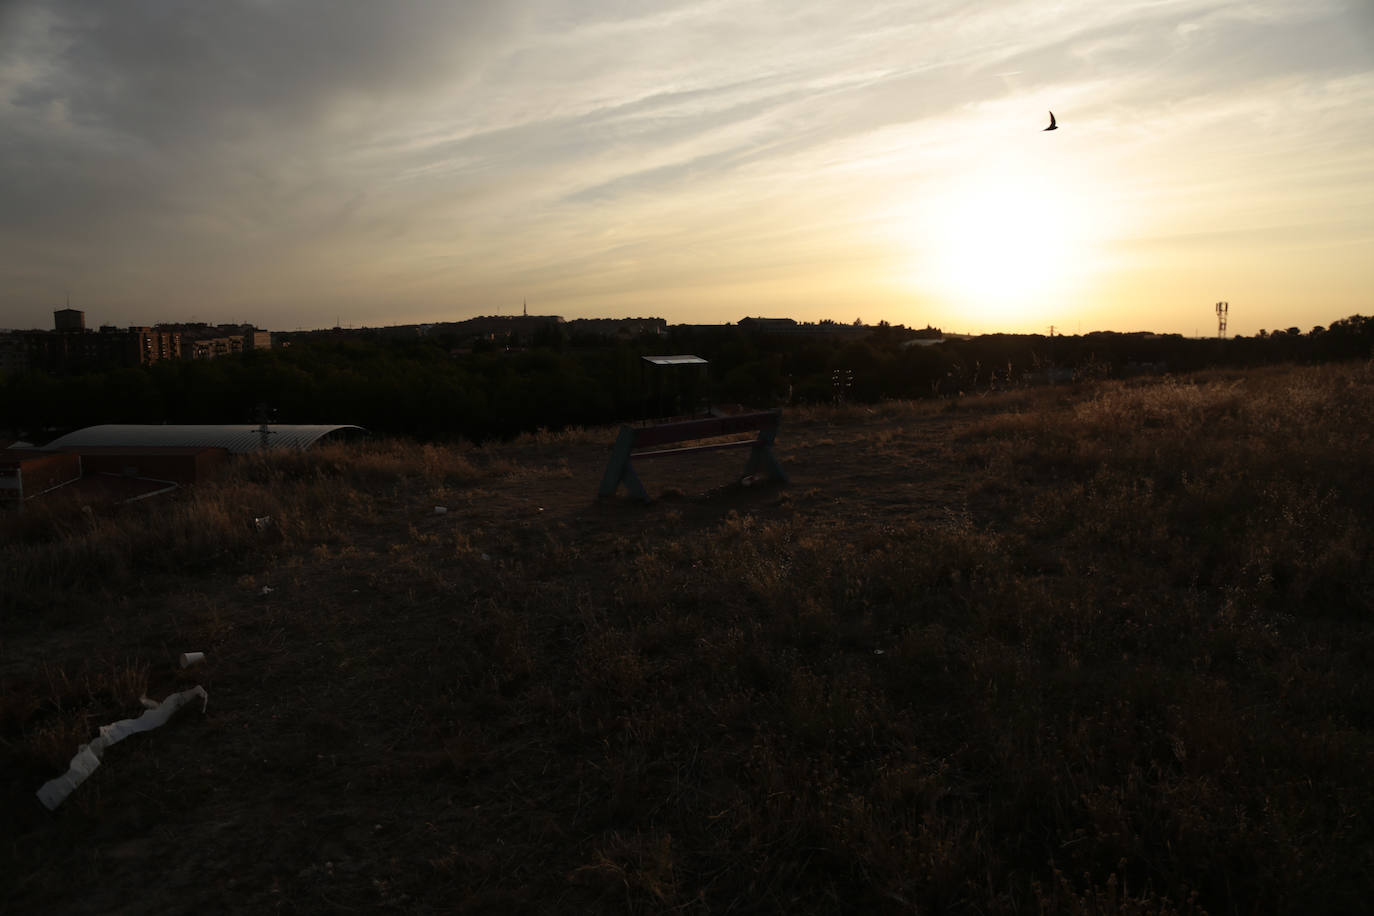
709 447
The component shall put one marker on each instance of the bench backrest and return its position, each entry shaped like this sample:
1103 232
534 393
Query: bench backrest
665 433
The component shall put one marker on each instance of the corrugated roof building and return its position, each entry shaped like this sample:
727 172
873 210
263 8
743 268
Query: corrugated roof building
176 465
237 439
27 472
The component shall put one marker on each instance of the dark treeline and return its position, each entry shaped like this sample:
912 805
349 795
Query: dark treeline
439 388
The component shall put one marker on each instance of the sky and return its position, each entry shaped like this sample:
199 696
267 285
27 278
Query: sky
306 164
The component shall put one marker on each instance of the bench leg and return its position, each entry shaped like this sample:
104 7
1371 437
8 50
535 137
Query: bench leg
618 468
632 484
762 459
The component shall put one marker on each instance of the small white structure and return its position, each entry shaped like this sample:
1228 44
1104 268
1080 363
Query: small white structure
238 439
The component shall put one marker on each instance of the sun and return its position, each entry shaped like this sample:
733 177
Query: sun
1003 247
999 244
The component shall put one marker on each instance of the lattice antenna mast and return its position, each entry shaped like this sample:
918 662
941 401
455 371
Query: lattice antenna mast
1222 309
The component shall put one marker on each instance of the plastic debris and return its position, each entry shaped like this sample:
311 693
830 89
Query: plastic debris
263 522
440 510
266 590
191 658
53 792
877 651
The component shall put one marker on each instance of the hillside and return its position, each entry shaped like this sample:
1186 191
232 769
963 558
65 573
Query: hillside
1101 649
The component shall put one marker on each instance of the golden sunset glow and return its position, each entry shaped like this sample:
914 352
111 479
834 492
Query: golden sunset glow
697 162
1001 248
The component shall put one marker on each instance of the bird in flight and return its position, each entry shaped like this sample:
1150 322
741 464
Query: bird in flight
1053 126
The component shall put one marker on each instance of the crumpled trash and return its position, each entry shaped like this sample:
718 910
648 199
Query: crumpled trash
440 510
191 658
266 590
263 522
53 792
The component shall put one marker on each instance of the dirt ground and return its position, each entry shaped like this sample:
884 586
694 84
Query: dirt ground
345 760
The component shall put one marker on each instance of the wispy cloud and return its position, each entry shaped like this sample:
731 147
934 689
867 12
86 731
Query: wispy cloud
441 157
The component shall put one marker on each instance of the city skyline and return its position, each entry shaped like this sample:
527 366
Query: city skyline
309 165
762 322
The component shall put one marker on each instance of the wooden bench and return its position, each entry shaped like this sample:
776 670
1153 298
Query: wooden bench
633 441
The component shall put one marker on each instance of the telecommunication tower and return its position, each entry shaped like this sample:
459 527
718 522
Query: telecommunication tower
1222 309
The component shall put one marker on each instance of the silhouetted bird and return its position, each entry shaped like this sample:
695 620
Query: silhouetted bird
1053 126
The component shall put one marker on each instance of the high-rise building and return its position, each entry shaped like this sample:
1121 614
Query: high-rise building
153 344
13 352
69 320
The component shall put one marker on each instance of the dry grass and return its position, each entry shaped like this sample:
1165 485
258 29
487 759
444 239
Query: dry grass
1122 668
56 548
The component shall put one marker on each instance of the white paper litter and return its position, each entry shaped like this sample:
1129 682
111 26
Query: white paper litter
191 658
53 792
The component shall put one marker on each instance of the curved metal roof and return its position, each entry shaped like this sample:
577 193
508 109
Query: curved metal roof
237 439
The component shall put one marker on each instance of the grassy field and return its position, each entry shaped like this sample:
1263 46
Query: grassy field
1107 649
